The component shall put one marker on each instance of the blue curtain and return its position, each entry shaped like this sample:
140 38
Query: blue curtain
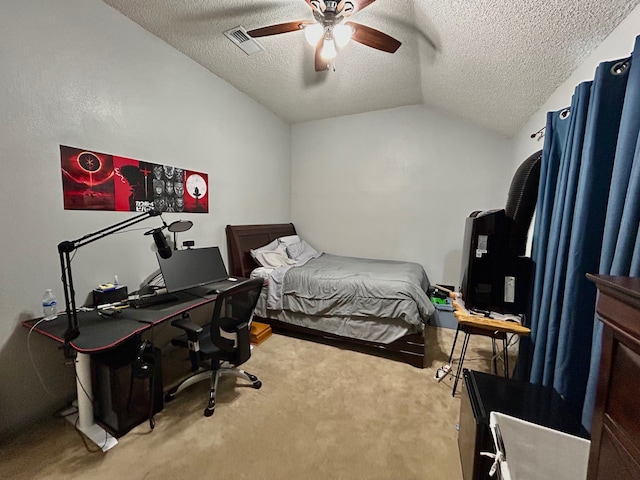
587 219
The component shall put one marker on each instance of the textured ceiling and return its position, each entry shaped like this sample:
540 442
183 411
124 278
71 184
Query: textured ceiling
492 62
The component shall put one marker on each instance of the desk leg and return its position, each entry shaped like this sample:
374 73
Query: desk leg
465 344
84 421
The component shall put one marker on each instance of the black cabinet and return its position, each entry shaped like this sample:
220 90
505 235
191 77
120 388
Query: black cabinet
484 393
127 394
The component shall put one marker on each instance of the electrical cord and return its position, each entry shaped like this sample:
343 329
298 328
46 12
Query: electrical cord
155 280
33 363
67 268
82 386
84 439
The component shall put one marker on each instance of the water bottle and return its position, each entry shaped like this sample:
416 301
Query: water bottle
49 305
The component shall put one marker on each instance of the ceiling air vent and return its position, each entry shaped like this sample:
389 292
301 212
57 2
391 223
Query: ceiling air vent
241 38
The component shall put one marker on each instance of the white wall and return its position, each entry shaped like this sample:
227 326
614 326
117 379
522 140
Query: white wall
619 44
396 184
81 74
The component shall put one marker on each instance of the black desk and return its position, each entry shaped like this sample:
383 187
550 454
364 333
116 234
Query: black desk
99 334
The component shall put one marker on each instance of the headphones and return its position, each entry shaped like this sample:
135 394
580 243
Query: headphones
144 367
144 364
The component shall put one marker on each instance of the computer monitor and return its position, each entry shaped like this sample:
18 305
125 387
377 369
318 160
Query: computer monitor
191 268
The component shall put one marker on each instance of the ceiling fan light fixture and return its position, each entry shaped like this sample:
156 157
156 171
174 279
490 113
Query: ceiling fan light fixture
313 33
328 49
342 34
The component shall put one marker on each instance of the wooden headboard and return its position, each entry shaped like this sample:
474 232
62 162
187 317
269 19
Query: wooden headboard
242 238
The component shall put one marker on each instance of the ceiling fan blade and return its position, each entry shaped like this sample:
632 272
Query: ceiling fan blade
320 63
373 38
363 4
279 28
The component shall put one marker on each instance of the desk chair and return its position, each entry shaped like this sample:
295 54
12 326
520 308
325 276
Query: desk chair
223 344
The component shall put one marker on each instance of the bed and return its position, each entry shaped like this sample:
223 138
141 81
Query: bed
385 311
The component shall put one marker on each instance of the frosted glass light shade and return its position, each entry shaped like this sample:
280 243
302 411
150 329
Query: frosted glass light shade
342 34
328 49
313 33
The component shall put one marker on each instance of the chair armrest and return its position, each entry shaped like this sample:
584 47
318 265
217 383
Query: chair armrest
192 341
191 329
244 341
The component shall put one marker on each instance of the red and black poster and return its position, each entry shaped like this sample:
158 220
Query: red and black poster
100 181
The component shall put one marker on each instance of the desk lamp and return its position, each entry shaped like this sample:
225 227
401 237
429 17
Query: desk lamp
65 248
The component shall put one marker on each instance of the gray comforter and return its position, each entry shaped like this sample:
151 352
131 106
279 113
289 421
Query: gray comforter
355 287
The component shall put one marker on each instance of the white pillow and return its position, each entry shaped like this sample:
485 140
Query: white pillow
286 241
301 251
269 247
273 258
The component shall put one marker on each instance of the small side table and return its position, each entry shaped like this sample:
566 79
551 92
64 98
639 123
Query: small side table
488 327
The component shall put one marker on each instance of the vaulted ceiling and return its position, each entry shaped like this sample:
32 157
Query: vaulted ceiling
491 62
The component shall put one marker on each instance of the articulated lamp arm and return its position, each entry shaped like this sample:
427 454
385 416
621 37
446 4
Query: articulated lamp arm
67 247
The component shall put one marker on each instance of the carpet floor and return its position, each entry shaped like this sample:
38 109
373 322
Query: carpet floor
323 412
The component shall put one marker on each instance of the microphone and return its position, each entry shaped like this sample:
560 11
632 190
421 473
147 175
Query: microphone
161 242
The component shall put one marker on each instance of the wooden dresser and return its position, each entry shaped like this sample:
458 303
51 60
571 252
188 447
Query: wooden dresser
615 431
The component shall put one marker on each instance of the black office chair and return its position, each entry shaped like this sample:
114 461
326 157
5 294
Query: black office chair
221 345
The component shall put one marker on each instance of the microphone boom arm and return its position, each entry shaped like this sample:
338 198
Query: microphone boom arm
64 250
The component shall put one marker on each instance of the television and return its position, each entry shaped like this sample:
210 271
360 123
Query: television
495 273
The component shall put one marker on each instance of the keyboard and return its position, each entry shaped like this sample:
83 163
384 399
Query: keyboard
150 300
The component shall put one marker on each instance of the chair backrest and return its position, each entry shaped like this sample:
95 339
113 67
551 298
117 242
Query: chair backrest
230 321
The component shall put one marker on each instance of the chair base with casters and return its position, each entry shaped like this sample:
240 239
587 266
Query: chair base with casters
220 347
213 376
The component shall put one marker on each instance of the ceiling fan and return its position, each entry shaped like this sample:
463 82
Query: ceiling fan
331 30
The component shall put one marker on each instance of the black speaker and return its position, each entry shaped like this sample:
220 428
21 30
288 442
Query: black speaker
127 386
